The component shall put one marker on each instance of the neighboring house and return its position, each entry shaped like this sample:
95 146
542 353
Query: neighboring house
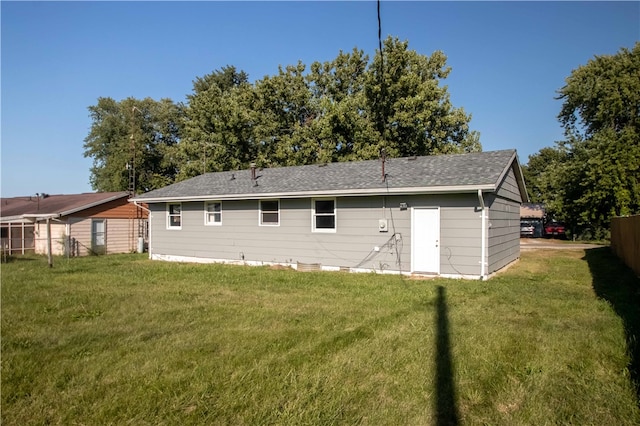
447 215
81 224
532 217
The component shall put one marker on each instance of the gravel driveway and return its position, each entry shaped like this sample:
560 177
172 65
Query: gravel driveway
548 244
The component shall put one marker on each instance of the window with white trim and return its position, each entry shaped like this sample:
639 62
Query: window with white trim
213 213
269 212
324 215
174 216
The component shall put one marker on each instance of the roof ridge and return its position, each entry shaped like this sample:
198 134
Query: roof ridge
460 170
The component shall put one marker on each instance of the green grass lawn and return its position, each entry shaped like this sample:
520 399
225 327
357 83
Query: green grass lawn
123 340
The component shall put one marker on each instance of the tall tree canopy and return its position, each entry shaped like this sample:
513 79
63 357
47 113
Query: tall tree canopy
345 109
133 133
284 112
218 128
343 124
410 110
594 174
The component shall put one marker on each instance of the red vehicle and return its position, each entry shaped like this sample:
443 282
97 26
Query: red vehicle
555 229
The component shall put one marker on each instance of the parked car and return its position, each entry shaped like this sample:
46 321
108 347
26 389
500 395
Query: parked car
527 228
555 229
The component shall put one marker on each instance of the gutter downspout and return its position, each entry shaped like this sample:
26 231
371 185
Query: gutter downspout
483 244
148 223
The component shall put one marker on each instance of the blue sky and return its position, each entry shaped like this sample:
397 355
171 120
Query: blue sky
507 59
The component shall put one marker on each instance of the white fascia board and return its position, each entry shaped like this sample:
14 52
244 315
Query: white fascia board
459 189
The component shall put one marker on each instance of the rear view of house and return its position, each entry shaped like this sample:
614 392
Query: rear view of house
448 215
80 224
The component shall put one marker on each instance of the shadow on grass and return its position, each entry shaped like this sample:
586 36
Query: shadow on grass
614 282
446 404
20 258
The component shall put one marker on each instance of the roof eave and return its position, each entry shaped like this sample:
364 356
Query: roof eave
515 163
37 217
11 219
524 194
458 189
30 216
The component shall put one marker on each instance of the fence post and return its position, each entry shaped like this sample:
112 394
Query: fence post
49 254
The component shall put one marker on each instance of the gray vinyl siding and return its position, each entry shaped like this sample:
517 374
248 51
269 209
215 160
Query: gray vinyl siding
509 188
504 220
504 233
460 232
80 231
241 238
460 237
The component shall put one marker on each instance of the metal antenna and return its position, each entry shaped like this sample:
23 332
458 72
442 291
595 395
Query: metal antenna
133 215
132 167
379 30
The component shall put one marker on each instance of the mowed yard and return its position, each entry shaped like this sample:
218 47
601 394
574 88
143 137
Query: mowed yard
123 340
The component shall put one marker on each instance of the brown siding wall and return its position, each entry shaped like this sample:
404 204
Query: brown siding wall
81 232
116 209
118 237
625 240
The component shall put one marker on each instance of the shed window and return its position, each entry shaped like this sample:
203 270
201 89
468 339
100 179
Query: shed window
174 216
324 215
213 213
270 212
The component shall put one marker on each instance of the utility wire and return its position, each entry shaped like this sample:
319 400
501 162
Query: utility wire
379 30
383 89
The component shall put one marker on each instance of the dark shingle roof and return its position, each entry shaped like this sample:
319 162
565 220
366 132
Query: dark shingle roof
55 204
442 172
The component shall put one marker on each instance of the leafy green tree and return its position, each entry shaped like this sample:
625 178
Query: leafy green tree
601 117
409 109
343 127
594 174
340 110
132 133
541 177
284 117
224 79
218 127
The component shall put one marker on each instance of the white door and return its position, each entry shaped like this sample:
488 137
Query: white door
425 240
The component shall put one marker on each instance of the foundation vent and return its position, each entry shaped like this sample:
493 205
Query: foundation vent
308 267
